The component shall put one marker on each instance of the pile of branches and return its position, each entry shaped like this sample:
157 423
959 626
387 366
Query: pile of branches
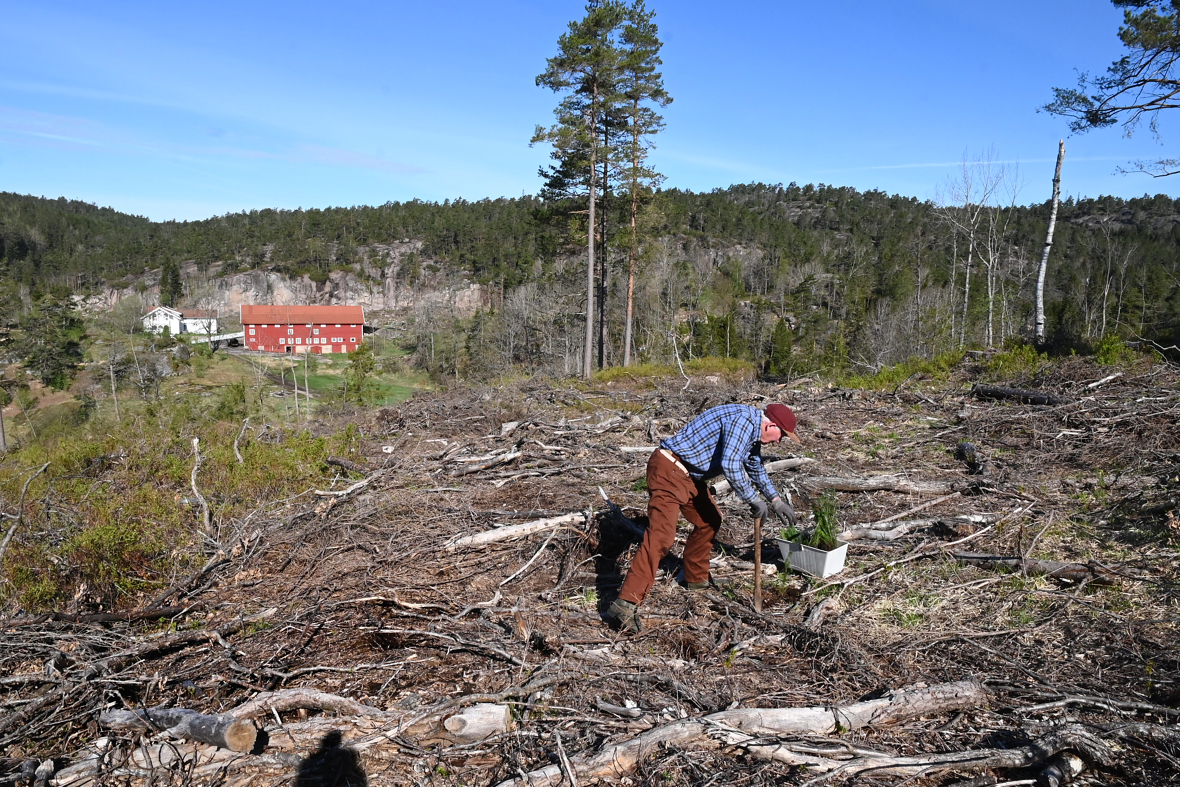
437 614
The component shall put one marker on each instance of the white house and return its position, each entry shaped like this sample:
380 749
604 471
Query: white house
178 322
204 322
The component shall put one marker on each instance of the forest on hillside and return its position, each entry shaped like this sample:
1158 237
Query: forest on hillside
789 277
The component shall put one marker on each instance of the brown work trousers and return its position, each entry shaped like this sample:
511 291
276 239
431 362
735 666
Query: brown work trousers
673 492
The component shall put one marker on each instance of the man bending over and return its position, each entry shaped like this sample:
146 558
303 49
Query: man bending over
725 440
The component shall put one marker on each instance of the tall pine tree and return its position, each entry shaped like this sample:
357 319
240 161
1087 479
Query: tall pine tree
642 87
586 69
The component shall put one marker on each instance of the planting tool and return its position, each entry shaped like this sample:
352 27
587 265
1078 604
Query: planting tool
758 564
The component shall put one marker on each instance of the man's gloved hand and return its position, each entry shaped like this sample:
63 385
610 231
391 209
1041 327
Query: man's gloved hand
784 510
758 509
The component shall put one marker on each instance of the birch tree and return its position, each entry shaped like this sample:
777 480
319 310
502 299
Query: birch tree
963 209
1039 327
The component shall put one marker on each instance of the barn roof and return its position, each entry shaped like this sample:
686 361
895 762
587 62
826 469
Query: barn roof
293 315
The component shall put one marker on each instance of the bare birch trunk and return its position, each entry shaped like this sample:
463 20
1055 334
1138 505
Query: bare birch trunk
114 397
966 289
1039 330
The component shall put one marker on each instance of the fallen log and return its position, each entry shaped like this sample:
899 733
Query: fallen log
1058 569
105 617
889 530
722 487
222 731
880 483
511 531
499 460
1019 394
347 465
294 699
710 732
469 725
1071 738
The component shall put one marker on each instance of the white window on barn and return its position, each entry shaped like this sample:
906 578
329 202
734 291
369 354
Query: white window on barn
354 340
316 331
337 325
251 331
290 331
299 340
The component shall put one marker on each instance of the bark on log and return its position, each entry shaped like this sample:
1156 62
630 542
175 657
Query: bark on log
347 465
1069 738
224 732
886 530
1059 569
510 532
467 725
105 617
293 699
619 760
499 460
1020 395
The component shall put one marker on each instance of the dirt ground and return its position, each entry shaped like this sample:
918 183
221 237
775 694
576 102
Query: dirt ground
363 595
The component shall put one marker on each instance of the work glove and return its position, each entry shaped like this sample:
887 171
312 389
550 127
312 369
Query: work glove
784 511
758 509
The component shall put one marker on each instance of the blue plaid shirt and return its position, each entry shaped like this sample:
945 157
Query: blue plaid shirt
725 440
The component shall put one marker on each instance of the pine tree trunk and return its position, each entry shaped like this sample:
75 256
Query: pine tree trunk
603 270
588 351
634 251
1039 330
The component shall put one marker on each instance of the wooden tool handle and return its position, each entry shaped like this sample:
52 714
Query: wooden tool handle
758 564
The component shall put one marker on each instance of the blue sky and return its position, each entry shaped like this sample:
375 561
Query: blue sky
184 111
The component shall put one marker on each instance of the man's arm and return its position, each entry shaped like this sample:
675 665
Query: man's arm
735 455
758 473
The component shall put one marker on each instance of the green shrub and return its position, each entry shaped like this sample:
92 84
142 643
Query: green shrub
639 370
113 558
231 404
1022 360
720 365
1111 350
937 368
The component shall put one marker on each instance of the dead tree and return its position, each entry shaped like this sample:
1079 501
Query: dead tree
1039 328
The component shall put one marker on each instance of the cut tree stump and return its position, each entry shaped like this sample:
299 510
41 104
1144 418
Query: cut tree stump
225 732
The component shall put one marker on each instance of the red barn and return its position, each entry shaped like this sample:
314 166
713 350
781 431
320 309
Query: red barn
297 329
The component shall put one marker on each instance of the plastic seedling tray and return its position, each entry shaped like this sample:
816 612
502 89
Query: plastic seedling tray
810 560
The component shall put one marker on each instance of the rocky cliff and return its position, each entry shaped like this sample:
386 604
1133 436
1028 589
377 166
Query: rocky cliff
380 284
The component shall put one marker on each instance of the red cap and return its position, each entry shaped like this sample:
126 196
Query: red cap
784 418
